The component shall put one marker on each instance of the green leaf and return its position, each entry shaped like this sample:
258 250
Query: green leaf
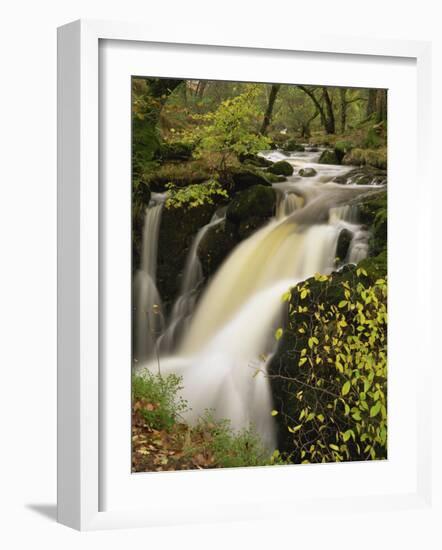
342 303
278 334
346 388
375 409
274 413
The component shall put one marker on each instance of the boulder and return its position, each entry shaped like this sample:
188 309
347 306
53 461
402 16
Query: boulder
174 151
216 245
344 240
255 160
244 178
177 231
329 157
291 145
255 202
281 168
307 172
373 212
365 175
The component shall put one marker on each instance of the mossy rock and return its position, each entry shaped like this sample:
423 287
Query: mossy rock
244 178
307 172
329 157
177 151
216 245
281 168
371 157
273 178
373 212
292 146
344 240
177 231
255 202
255 160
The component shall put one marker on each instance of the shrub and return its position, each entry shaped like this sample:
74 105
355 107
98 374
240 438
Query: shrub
337 381
157 399
195 194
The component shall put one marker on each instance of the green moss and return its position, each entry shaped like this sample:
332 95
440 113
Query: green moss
257 201
329 157
282 168
371 157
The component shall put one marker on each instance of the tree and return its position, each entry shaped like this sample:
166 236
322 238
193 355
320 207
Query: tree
230 131
148 98
323 104
269 111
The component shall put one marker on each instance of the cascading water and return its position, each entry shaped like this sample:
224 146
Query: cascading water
148 318
227 343
193 278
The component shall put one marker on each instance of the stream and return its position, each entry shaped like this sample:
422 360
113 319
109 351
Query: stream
220 338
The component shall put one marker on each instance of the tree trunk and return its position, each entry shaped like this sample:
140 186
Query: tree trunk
371 102
269 111
343 98
381 105
327 116
330 123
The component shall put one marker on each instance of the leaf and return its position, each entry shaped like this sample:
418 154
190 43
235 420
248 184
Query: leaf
278 334
302 361
342 303
375 409
304 293
274 413
346 388
334 447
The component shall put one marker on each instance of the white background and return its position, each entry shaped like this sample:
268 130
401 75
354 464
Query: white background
28 268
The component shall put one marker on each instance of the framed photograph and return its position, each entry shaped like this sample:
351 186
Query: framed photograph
232 221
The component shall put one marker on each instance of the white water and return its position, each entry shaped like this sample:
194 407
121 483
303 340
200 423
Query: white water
229 337
148 318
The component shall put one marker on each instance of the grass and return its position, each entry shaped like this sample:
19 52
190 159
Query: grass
163 441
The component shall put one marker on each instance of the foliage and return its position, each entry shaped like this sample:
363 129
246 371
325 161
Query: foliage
162 441
230 130
338 409
157 398
194 195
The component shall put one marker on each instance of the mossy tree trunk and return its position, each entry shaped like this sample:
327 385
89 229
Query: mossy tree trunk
269 111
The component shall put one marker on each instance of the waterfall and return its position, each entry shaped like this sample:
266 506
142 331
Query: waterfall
193 278
148 320
220 338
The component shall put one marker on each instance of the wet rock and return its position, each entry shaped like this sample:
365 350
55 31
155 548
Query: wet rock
307 172
344 240
365 175
216 245
282 168
292 145
177 231
373 213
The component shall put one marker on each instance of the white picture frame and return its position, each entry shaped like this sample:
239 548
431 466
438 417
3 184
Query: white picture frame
80 392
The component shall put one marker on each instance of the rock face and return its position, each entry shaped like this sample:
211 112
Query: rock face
373 213
307 172
343 245
329 157
365 175
281 168
177 231
216 245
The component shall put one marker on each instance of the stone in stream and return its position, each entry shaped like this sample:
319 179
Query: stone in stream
307 172
281 168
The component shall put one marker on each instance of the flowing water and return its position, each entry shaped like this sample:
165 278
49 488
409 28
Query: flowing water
148 321
220 339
